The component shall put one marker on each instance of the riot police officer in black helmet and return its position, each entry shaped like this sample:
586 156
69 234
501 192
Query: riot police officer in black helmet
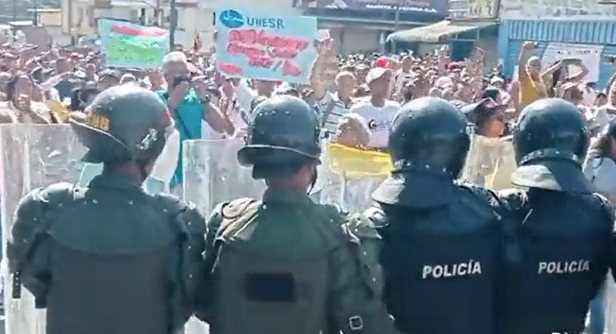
292 259
441 244
564 227
117 251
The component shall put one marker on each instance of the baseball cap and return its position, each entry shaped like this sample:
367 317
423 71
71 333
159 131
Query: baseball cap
375 74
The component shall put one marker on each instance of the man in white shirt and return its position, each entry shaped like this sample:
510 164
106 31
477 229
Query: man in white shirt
377 109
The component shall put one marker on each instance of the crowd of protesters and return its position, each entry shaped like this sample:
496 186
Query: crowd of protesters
356 95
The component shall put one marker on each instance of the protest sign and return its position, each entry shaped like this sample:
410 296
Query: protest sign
131 45
265 46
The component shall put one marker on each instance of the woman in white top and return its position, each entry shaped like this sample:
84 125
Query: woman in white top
600 165
600 169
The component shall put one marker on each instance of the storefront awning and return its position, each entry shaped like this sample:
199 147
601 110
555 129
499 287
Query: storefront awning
436 33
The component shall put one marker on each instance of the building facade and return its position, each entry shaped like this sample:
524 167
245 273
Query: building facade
364 25
582 29
469 24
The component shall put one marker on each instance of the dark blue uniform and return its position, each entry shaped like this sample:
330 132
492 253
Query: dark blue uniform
564 230
441 241
565 240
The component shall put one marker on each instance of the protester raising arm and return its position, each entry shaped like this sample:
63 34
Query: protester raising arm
580 75
318 87
529 75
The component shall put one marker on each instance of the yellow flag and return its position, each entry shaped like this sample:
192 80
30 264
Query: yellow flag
354 162
59 111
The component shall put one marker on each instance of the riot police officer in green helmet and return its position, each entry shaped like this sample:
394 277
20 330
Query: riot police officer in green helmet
565 228
117 251
441 239
284 260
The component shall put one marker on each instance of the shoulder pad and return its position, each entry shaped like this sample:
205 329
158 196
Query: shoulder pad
171 203
513 199
32 205
376 215
483 193
606 206
32 217
236 208
480 201
227 213
57 194
192 222
362 227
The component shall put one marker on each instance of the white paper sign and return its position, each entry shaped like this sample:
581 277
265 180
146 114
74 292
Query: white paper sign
590 54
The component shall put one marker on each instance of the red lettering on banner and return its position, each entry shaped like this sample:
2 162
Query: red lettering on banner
263 49
137 31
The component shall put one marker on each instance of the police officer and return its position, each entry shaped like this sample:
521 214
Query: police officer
565 228
441 240
284 264
108 257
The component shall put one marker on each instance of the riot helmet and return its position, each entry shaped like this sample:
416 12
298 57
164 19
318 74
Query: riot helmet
429 133
282 135
550 141
123 123
428 144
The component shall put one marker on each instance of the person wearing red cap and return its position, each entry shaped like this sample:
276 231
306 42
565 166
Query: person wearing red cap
382 61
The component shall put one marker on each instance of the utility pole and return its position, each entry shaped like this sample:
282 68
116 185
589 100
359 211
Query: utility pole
35 13
396 25
14 27
157 12
173 24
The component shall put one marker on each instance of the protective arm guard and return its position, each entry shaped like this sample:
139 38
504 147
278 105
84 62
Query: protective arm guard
186 265
28 247
356 285
205 297
363 227
220 217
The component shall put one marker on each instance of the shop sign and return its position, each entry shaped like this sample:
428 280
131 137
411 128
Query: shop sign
473 9
528 9
439 7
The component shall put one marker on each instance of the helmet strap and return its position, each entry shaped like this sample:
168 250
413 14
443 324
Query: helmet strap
313 181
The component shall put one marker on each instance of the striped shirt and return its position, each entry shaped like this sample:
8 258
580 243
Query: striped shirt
338 109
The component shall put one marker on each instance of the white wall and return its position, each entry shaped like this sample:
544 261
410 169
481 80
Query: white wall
357 39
